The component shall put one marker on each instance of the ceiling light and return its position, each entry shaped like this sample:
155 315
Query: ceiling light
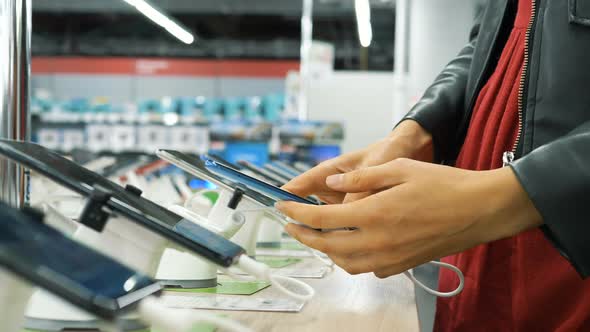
162 20
363 21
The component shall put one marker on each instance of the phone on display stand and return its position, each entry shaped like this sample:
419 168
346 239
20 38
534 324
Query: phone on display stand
279 171
287 168
241 168
124 202
256 190
230 178
265 174
194 165
82 276
253 183
224 161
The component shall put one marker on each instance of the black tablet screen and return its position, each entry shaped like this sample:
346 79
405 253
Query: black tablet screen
47 258
143 211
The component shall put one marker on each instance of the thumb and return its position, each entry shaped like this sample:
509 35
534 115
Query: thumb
369 178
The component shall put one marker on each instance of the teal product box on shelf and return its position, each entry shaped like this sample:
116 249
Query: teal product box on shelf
272 107
233 109
192 110
253 109
150 106
212 110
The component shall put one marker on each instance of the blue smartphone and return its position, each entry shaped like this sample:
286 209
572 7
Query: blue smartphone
259 191
252 183
86 278
287 168
134 207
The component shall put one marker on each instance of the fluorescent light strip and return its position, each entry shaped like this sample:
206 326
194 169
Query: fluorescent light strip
363 19
162 20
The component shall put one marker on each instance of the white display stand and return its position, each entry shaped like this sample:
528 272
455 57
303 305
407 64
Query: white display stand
185 270
14 296
243 224
270 232
221 214
121 239
138 248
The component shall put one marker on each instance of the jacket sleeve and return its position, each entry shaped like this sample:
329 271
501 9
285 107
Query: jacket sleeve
556 177
441 108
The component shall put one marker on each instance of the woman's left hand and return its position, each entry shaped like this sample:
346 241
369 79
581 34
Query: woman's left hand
421 212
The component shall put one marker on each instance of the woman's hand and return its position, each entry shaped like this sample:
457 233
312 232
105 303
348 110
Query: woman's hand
407 140
421 212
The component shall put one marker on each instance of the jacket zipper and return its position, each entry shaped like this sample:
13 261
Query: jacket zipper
508 156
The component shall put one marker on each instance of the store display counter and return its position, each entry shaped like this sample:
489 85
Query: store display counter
342 303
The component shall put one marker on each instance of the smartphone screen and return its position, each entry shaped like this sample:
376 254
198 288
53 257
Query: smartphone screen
249 167
279 171
286 168
253 183
229 178
47 258
136 208
265 174
196 166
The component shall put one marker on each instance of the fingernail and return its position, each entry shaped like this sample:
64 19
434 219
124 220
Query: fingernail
334 180
278 205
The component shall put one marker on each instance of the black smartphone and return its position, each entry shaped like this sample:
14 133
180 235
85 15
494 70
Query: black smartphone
258 191
278 171
265 174
238 167
224 161
194 165
232 179
292 171
255 184
80 275
130 205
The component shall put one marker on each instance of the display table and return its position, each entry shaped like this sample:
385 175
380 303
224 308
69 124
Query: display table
342 303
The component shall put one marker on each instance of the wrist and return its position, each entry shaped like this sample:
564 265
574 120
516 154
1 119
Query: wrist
507 208
410 136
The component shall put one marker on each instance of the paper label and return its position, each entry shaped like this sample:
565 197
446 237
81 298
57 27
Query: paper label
228 287
232 303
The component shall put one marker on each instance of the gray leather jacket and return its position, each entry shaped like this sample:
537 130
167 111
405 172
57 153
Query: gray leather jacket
553 153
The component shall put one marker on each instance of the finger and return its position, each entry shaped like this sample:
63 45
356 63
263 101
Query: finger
331 243
353 197
305 184
328 216
314 180
370 178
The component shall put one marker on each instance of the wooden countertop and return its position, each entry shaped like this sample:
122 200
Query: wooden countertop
343 303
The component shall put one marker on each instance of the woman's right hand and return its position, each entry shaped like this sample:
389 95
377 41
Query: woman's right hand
407 140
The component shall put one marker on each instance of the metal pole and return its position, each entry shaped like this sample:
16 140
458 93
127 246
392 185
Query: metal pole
401 97
15 65
304 70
